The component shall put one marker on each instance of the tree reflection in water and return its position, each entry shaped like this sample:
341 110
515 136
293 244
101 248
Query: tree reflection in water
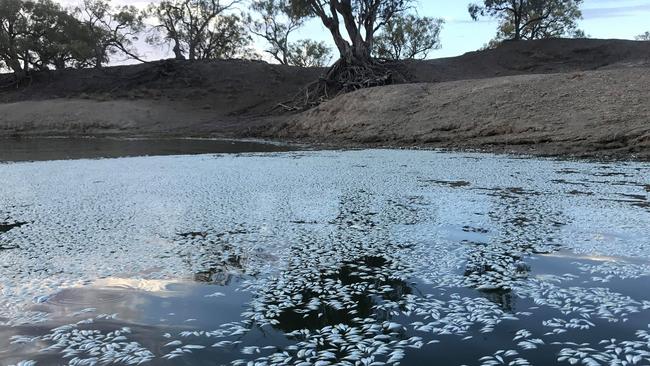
363 302
526 225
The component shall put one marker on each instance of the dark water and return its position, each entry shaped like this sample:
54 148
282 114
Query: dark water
180 309
36 149
317 258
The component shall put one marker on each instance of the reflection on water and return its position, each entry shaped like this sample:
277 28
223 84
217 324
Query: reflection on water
325 258
35 149
149 285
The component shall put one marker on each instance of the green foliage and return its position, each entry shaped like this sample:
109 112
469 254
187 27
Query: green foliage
274 23
532 19
110 30
309 53
383 10
14 36
408 37
57 38
199 29
643 37
226 38
359 19
41 35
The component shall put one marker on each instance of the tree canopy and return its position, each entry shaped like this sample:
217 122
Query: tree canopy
531 19
39 35
408 37
111 30
199 29
643 37
359 19
275 21
308 53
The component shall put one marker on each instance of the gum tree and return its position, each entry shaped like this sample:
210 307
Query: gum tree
309 53
275 21
359 19
111 29
643 37
408 37
353 26
192 26
14 34
226 38
40 35
531 19
55 38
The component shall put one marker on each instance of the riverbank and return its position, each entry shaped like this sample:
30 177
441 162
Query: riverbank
585 114
585 98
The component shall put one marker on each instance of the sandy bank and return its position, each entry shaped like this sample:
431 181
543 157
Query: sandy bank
596 113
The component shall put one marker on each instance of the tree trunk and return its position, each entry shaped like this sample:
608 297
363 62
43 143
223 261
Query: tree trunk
178 54
14 65
517 13
59 63
357 53
192 52
362 51
285 51
19 72
100 52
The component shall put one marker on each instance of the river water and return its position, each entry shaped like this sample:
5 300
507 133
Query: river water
364 257
35 149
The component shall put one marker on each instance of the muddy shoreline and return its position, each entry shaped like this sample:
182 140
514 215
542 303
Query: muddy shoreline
45 148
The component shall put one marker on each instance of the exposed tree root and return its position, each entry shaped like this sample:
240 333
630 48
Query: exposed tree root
343 78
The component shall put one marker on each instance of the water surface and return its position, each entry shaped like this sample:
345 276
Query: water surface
299 258
35 149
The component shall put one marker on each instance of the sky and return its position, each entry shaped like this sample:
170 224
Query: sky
622 19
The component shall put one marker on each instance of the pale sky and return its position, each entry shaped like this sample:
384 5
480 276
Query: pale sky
622 19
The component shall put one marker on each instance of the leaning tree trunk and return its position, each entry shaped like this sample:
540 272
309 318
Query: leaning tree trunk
178 52
12 61
15 66
20 74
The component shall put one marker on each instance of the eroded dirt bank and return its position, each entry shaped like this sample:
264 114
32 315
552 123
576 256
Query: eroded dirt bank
578 97
596 113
